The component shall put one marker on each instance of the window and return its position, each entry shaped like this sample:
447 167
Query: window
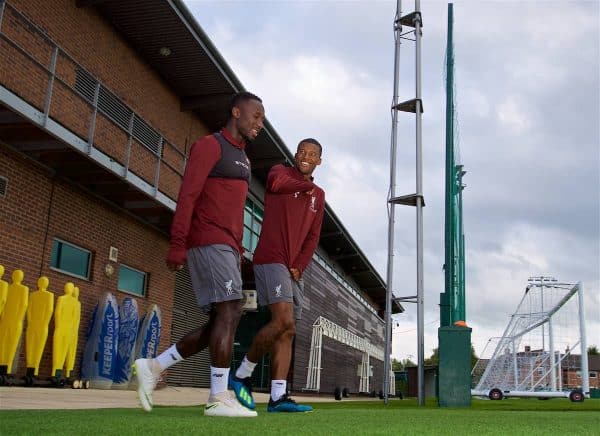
70 259
593 374
132 280
253 218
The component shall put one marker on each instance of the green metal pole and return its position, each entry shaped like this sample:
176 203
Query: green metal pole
450 181
454 369
461 300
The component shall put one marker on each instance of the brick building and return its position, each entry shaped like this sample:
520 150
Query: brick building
100 101
571 371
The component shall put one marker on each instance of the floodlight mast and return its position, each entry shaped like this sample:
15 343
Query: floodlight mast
415 106
391 207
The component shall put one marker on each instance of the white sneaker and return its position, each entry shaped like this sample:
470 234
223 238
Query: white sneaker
147 380
225 404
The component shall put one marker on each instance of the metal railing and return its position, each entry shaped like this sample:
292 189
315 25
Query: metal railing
50 86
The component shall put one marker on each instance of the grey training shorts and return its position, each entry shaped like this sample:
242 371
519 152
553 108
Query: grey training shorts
275 284
215 273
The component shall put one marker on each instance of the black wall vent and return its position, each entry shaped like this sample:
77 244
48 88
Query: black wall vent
3 186
111 106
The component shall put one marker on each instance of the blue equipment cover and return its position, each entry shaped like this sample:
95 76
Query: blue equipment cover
148 338
128 331
99 355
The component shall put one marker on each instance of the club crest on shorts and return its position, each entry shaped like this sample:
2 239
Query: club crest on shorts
278 290
229 286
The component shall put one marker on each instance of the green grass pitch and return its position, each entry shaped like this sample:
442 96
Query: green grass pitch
399 417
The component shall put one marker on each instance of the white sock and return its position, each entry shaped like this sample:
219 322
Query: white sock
245 369
169 357
219 378
278 389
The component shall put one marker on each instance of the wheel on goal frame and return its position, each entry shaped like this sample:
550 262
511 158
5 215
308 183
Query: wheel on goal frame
576 396
495 394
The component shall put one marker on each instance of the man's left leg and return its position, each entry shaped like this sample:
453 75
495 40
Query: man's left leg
281 358
281 323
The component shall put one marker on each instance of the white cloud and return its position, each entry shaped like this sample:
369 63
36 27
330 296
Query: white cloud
318 95
514 116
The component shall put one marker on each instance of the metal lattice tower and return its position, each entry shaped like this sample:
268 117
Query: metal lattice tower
414 22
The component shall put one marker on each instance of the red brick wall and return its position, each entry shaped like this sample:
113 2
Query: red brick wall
94 44
85 38
39 207
572 380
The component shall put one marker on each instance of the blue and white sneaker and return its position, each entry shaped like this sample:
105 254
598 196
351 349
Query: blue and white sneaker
286 404
242 387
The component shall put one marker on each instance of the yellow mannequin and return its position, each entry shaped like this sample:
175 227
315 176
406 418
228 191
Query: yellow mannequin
3 290
63 323
11 322
39 313
72 349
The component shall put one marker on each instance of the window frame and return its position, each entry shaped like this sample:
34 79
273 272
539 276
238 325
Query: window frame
146 275
256 217
71 274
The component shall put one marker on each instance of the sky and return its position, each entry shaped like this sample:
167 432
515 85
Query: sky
527 79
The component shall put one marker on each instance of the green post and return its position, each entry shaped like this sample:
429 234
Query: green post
454 372
449 225
444 310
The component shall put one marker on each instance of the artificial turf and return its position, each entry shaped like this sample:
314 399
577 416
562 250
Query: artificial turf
402 417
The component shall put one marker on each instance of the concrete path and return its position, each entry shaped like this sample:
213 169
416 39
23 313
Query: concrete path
12 398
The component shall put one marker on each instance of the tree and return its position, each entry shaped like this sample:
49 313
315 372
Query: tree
400 365
593 350
407 362
434 359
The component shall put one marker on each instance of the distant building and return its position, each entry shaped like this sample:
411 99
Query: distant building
571 371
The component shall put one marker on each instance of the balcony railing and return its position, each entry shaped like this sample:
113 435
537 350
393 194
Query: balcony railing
44 75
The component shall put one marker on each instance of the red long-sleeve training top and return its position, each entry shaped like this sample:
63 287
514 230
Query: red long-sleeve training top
210 206
292 221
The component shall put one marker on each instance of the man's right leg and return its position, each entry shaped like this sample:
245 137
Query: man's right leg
220 402
148 371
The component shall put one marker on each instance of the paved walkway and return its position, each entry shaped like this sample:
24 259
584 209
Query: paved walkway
12 398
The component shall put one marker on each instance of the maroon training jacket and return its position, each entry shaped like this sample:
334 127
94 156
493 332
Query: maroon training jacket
292 220
210 206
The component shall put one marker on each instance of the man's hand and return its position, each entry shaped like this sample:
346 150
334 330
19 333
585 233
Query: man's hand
296 274
174 266
175 259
